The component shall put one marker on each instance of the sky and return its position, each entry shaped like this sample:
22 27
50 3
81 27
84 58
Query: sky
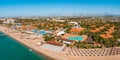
57 7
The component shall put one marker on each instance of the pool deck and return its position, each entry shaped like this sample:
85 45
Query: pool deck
66 36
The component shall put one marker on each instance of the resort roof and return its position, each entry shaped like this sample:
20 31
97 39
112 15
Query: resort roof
66 40
53 42
28 27
76 29
106 35
98 29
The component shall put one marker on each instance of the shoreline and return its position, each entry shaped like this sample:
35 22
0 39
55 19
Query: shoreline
32 44
38 52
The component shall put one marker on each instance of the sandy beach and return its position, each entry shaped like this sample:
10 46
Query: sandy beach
54 54
33 45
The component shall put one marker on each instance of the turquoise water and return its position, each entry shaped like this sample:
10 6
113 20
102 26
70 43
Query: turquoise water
39 31
13 50
79 38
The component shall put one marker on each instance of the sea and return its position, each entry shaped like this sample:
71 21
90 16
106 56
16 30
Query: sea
11 49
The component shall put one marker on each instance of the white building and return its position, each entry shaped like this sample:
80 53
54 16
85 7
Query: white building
76 24
58 20
8 21
60 33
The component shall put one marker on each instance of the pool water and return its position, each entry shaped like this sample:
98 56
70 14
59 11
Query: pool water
79 38
39 31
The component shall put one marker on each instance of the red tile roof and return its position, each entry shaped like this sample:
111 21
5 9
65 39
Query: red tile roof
106 36
76 29
53 42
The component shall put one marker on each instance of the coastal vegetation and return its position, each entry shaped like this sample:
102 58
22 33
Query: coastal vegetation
103 32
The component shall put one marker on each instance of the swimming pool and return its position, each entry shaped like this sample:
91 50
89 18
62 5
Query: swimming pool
39 31
79 38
